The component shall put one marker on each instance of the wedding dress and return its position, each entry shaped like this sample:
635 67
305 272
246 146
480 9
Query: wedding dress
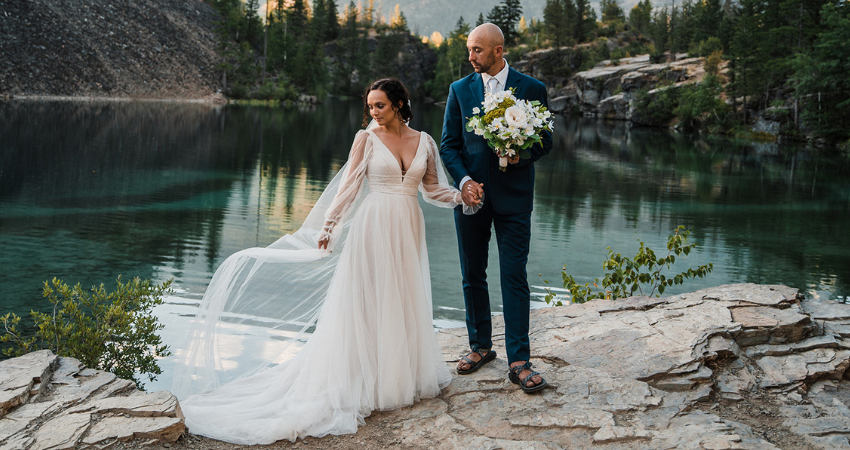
370 301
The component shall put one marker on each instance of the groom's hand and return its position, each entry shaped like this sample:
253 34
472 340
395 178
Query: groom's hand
471 193
514 159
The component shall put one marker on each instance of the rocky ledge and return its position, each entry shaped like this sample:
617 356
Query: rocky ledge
733 367
738 366
51 402
609 88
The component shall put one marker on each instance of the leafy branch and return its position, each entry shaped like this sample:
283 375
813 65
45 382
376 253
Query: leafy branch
641 275
113 331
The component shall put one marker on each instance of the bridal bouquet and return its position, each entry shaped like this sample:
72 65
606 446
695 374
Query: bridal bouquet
509 125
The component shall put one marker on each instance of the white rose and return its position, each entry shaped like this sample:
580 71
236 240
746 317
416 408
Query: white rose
516 117
476 110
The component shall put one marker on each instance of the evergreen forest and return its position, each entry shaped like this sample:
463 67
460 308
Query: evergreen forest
774 52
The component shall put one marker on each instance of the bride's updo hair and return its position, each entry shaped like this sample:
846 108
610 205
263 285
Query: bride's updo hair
396 92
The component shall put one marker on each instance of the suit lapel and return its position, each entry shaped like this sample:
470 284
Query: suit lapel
477 88
514 82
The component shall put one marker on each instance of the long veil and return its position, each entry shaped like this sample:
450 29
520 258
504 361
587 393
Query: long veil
262 303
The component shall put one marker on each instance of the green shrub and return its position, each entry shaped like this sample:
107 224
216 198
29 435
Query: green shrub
625 277
712 62
112 331
700 105
658 108
705 47
656 54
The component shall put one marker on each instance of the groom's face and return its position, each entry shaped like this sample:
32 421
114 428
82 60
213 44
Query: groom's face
483 56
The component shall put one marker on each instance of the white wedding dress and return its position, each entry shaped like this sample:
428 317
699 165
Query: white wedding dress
373 346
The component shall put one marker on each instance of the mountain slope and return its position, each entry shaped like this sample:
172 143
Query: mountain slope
116 48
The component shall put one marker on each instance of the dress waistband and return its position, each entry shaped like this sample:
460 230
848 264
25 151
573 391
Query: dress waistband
392 188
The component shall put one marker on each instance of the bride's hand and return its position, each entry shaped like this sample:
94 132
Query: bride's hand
323 243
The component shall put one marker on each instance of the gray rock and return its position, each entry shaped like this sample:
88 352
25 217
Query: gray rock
777 113
812 364
559 104
614 107
827 341
18 376
752 294
636 80
767 126
76 407
762 324
610 434
826 310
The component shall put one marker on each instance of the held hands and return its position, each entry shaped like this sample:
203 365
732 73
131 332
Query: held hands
472 192
323 243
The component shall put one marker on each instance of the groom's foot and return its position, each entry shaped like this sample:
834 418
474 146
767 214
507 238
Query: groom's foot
475 360
531 384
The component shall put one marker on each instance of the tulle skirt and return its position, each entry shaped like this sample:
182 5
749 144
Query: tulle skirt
373 348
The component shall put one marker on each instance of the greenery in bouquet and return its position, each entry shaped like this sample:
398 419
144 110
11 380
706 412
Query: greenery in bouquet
509 125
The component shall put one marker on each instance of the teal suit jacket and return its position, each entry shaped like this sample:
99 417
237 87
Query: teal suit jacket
466 154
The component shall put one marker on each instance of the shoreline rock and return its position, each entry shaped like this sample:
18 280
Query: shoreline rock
52 402
736 366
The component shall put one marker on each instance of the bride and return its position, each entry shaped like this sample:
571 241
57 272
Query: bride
365 291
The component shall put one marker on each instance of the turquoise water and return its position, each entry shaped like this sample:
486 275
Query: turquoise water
158 190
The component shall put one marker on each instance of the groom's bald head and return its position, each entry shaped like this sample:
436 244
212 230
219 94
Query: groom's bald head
488 33
486 45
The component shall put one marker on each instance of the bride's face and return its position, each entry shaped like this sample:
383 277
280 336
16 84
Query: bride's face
380 107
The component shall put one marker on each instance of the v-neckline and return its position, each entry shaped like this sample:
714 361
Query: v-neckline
398 163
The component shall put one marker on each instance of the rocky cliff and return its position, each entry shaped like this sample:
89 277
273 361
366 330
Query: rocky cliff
608 90
108 48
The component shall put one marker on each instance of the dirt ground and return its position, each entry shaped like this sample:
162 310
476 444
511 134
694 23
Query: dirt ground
377 434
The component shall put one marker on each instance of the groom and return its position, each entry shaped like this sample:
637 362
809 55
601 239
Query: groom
507 198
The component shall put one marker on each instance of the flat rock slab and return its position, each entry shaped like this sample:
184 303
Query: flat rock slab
641 373
76 407
18 376
827 310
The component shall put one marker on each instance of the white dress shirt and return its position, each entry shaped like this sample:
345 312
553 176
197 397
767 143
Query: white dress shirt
501 82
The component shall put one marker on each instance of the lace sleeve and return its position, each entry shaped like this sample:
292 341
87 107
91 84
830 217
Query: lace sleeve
350 185
435 186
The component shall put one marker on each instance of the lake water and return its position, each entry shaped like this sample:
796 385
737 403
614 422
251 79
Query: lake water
165 190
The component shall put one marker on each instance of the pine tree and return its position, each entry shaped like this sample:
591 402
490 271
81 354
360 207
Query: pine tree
319 21
398 21
296 19
559 22
822 76
707 16
611 12
332 19
480 20
452 62
506 16
640 17
659 30
253 31
585 20
745 52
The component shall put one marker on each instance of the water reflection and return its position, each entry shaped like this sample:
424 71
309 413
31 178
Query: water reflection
158 190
